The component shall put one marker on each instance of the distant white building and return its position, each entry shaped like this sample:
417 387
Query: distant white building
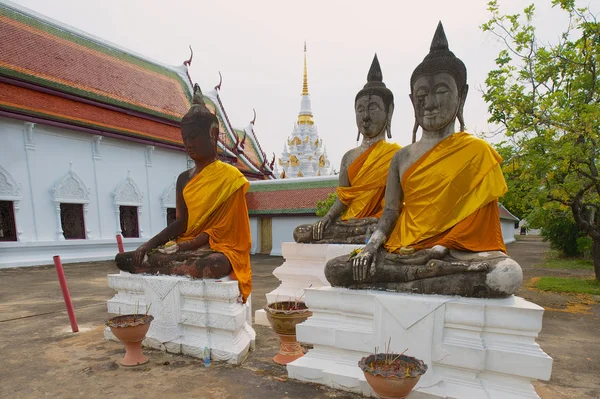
304 154
509 224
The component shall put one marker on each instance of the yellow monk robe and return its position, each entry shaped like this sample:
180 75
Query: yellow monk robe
368 176
216 203
451 198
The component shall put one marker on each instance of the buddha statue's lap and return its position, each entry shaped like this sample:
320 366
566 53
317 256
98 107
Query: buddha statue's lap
212 228
199 263
440 229
363 171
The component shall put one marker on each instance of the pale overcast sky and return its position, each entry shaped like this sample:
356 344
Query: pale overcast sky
258 47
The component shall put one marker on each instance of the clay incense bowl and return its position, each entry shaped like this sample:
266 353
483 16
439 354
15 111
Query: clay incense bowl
131 329
284 316
395 378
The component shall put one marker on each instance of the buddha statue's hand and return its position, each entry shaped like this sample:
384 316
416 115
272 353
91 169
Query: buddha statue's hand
140 253
320 226
364 263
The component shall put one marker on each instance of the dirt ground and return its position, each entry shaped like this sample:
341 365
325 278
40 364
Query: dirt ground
42 358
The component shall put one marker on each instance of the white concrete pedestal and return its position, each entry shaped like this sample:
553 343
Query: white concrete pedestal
188 314
474 348
304 266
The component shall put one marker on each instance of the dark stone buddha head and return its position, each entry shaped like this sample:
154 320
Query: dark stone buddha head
200 129
374 104
439 86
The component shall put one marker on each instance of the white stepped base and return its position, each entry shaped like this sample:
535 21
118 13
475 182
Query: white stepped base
304 267
474 348
188 314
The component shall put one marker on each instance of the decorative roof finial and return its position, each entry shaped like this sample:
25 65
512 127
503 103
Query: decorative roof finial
218 87
305 82
189 62
254 119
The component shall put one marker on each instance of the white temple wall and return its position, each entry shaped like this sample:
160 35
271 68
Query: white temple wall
508 230
12 159
254 222
283 230
38 160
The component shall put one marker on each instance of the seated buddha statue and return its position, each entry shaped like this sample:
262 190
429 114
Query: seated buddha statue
440 230
363 171
210 237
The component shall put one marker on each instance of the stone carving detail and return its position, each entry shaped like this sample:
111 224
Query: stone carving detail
148 152
128 193
9 188
70 188
96 148
168 197
28 136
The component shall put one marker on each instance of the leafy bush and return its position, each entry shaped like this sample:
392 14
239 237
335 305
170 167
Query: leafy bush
558 226
584 246
324 206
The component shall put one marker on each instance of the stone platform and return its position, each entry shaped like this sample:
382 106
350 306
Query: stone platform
474 348
304 267
188 314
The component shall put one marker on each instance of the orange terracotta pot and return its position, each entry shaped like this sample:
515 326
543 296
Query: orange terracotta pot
131 331
391 387
392 379
283 317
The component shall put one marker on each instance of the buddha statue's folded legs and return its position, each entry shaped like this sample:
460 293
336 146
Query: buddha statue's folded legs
200 263
355 231
481 275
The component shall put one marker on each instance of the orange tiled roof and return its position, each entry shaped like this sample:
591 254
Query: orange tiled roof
288 197
48 55
34 103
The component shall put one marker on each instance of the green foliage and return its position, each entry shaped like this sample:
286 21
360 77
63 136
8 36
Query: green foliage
570 284
554 260
545 97
584 246
324 206
559 227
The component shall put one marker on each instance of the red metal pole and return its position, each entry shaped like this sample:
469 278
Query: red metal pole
120 243
65 290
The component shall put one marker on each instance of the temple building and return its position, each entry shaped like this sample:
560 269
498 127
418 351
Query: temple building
304 153
91 144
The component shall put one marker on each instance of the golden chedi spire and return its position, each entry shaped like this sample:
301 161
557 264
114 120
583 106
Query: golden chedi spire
305 81
305 115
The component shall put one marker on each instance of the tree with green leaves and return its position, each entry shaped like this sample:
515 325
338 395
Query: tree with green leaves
545 97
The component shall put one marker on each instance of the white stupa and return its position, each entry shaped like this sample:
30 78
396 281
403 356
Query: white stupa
304 154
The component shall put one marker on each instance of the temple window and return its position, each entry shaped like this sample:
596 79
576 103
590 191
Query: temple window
71 220
171 215
168 203
129 221
71 200
128 207
8 230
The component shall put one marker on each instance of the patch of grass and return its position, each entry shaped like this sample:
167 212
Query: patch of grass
568 284
567 263
554 260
